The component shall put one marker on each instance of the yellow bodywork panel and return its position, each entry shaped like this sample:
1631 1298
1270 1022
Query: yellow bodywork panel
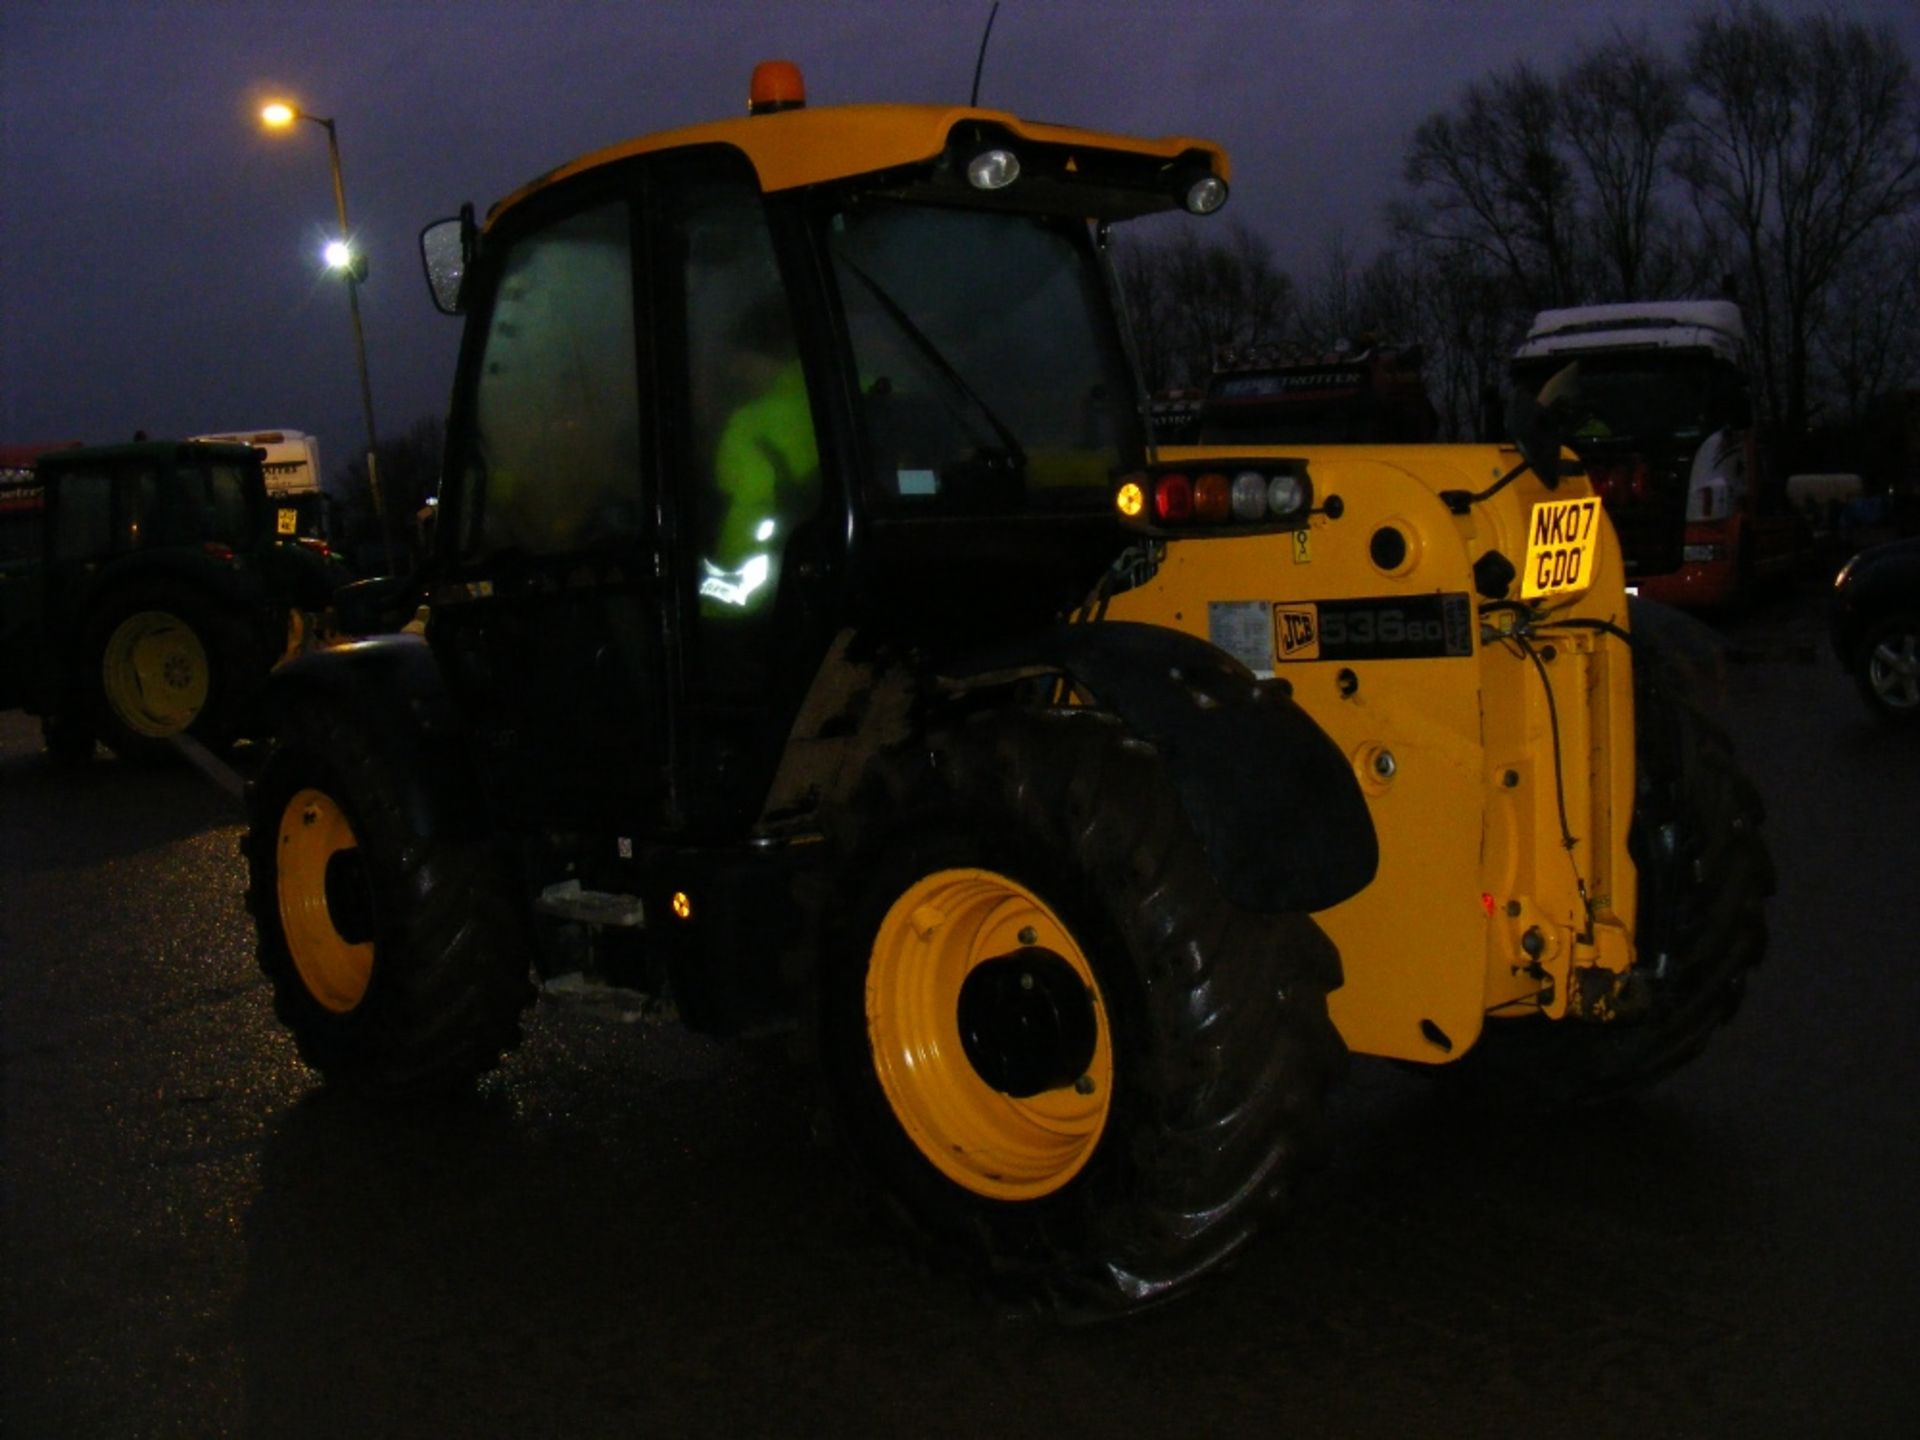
1479 909
796 148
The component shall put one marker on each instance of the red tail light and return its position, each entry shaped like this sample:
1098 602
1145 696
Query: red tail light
1172 498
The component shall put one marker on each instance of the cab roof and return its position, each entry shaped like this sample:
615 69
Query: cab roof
791 149
149 451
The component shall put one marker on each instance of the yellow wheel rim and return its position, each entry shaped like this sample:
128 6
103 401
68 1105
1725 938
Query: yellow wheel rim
335 969
945 930
155 673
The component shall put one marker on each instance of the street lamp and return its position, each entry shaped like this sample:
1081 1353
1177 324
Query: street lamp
340 256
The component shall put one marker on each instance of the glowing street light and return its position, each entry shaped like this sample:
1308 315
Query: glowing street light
341 256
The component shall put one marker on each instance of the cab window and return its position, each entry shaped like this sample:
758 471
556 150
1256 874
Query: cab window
553 463
83 515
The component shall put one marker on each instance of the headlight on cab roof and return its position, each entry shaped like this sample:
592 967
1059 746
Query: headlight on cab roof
1256 495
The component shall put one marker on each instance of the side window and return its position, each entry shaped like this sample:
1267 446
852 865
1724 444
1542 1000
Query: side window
165 514
21 504
83 515
554 464
756 461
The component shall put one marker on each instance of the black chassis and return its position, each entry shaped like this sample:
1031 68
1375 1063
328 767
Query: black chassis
732 964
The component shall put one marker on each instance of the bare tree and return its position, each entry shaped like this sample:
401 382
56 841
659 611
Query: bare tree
1804 143
1492 177
1621 107
409 475
1867 343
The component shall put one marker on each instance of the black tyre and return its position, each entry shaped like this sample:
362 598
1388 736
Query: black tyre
161 659
1889 669
1704 876
1058 1055
398 954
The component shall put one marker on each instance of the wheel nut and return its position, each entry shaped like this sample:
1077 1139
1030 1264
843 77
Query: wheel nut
1026 981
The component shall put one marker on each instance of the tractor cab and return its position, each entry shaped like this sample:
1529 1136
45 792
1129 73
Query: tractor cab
730 389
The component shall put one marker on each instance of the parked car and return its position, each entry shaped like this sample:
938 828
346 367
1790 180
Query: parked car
1876 627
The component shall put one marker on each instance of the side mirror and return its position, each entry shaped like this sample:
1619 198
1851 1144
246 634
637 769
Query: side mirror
446 248
1537 423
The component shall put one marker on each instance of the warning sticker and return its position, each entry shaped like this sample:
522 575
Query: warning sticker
1244 629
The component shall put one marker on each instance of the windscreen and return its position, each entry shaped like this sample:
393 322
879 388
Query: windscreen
989 366
199 503
1646 397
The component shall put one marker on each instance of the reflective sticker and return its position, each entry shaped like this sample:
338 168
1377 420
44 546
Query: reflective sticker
1302 547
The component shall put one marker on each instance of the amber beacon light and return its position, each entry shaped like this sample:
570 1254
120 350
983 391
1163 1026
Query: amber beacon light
777 85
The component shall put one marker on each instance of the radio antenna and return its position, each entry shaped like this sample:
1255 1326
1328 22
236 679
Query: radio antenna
985 36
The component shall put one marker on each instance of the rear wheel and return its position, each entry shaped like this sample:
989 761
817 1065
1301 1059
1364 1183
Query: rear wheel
1060 1057
396 951
1704 876
167 661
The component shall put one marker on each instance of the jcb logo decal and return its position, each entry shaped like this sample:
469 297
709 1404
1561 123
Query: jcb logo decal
1296 632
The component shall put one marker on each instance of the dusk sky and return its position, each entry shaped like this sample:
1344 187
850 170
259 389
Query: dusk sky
159 250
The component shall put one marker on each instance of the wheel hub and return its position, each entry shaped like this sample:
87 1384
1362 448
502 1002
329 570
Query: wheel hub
155 673
1027 1022
1896 671
988 1034
326 900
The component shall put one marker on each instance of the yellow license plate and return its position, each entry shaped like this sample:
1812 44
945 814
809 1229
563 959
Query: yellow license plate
1563 546
288 522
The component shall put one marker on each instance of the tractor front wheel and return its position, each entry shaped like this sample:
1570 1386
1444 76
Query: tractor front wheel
396 950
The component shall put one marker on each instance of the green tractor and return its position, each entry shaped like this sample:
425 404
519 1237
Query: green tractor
144 595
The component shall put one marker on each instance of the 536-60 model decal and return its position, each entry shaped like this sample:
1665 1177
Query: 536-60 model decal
1389 627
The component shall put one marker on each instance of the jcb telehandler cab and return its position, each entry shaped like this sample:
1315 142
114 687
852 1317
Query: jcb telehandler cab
779 451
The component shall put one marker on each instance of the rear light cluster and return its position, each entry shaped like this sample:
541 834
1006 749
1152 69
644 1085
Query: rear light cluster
1619 480
1239 496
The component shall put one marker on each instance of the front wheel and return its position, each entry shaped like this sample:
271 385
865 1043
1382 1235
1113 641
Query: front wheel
1060 1056
1889 673
396 951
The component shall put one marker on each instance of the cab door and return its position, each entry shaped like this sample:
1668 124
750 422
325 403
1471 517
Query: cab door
547 618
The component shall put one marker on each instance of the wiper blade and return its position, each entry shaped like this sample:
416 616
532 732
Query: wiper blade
925 345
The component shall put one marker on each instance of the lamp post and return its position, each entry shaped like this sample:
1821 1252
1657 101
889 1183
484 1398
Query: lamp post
353 268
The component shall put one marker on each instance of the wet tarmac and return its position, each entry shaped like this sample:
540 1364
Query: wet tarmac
629 1232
